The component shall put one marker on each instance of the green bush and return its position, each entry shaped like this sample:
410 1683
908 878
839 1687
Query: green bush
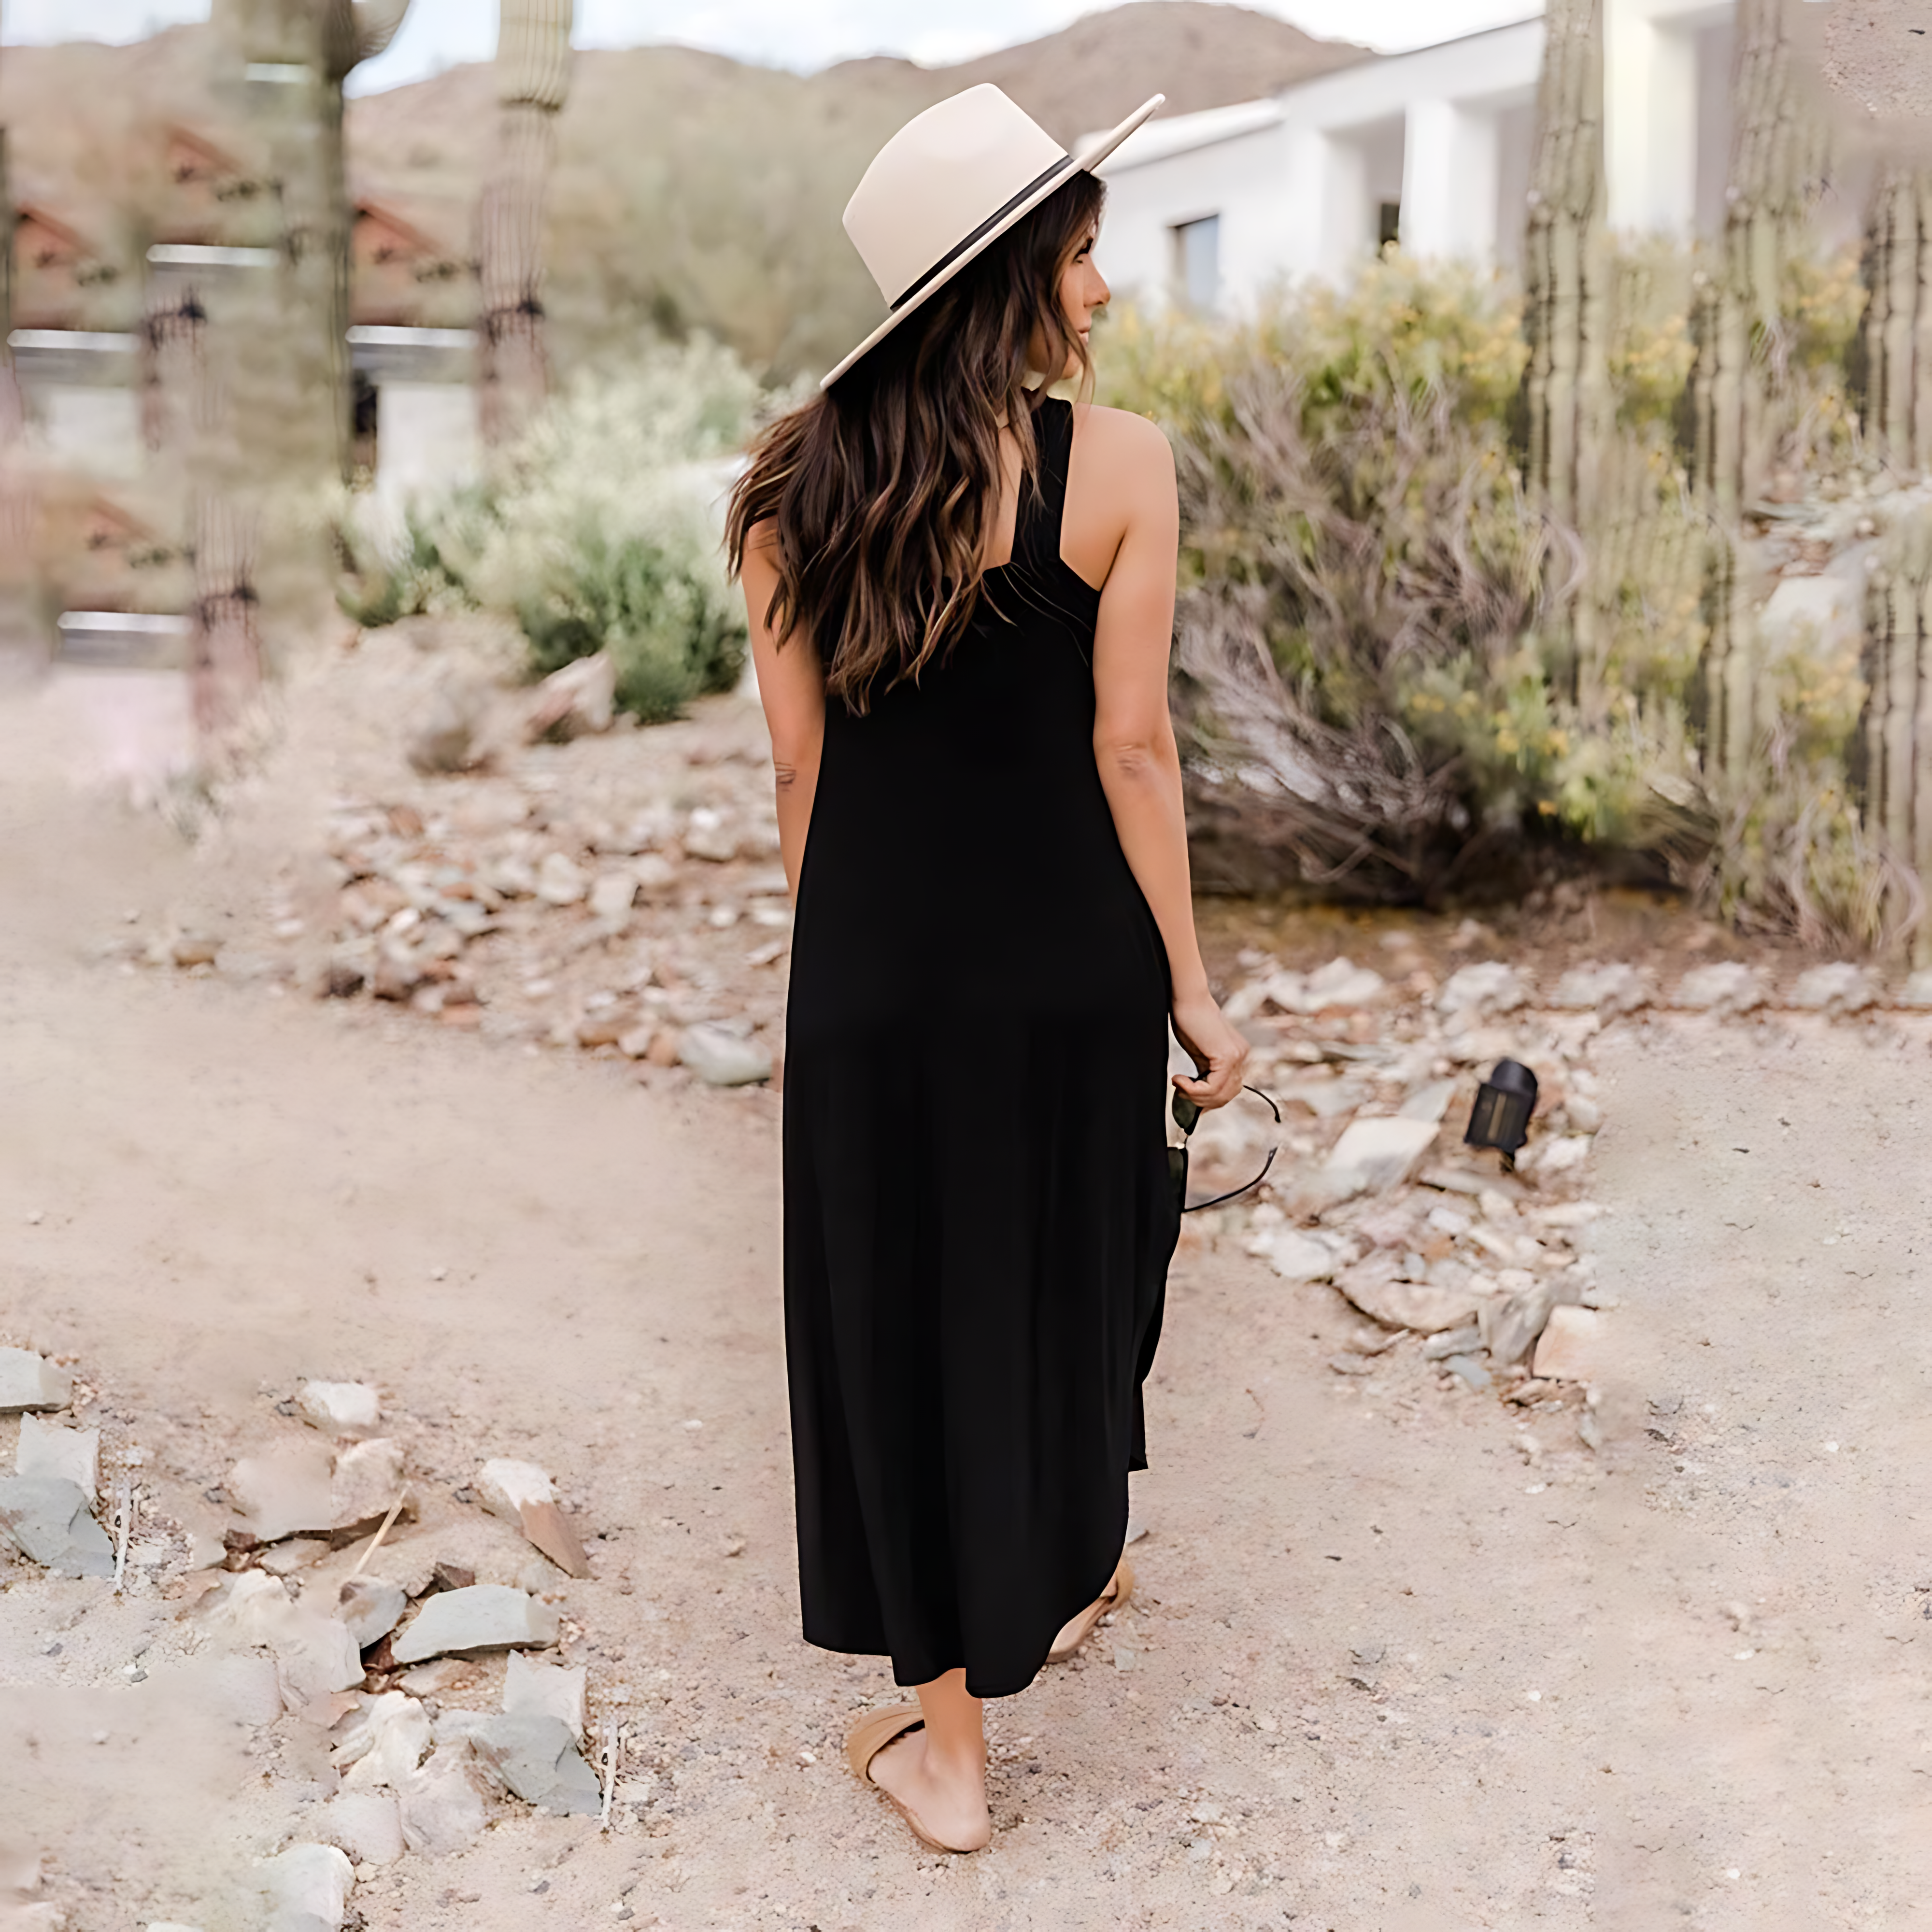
596 531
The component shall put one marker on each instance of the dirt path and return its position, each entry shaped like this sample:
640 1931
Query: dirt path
1386 1639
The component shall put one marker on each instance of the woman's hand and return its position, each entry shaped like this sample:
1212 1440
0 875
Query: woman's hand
1219 1051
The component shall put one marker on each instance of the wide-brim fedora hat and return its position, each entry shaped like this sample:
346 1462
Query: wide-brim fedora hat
947 186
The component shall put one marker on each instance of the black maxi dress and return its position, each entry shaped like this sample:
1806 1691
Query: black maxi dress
978 1215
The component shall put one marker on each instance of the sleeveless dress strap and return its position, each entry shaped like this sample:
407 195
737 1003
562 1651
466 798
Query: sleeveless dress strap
1036 542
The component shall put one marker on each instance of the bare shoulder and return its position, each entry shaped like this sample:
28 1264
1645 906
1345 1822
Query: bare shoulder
1119 437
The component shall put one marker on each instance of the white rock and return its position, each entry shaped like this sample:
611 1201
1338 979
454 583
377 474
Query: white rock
47 1449
27 1380
1613 988
1472 1046
1472 992
367 1825
580 697
307 1888
713 841
1341 983
1729 987
486 1616
443 1804
532 1689
1295 1256
1429 1103
367 1479
1917 990
1405 1304
654 873
379 1747
720 1059
1447 1220
370 1609
1375 1154
561 881
1842 987
288 1488
314 1653
1559 1156
339 1409
1569 1213
504 1486
612 896
1245 1002
1570 1347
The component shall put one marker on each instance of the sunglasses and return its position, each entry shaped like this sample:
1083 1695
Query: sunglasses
1187 1115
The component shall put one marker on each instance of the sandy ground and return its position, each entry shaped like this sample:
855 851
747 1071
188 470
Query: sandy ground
1395 1660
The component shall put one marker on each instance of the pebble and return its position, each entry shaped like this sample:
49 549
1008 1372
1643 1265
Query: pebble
537 1758
49 1519
1294 1256
719 1059
344 1409
307 1888
1841 988
442 1805
367 1825
314 1654
1475 992
1729 987
1375 1155
486 1616
1467 1369
534 1689
1509 1326
29 1381
370 1608
1917 990
1605 989
1404 1304
1452 1342
1429 1103
1570 1347
560 880
379 1747
47 1449
612 896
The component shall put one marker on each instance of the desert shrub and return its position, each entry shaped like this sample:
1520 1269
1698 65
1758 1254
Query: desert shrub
1393 671
596 531
1360 680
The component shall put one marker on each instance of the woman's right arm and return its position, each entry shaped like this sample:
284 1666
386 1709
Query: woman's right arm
791 687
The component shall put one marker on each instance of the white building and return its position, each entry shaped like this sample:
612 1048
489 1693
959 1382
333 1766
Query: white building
1431 148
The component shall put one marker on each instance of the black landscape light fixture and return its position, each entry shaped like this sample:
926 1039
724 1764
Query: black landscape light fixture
1500 1118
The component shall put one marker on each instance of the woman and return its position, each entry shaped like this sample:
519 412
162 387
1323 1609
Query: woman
960 593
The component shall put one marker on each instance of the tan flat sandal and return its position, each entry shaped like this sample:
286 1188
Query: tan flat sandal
869 1735
1074 1634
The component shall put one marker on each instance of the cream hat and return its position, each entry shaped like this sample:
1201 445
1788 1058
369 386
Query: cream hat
947 185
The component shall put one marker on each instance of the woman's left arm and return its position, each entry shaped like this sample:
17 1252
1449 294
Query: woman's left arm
791 687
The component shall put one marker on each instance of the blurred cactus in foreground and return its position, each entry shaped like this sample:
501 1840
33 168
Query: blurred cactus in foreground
532 79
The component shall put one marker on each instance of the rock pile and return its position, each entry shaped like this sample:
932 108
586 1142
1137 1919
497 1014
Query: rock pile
576 883
335 1619
1485 1271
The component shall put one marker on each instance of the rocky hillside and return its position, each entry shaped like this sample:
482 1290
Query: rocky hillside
691 190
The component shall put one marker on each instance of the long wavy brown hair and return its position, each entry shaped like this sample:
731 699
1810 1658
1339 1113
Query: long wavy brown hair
881 488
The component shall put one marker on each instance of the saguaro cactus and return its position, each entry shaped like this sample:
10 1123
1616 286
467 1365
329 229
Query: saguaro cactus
1563 258
1777 171
533 80
1898 330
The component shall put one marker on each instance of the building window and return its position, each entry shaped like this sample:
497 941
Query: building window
1388 223
1197 261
